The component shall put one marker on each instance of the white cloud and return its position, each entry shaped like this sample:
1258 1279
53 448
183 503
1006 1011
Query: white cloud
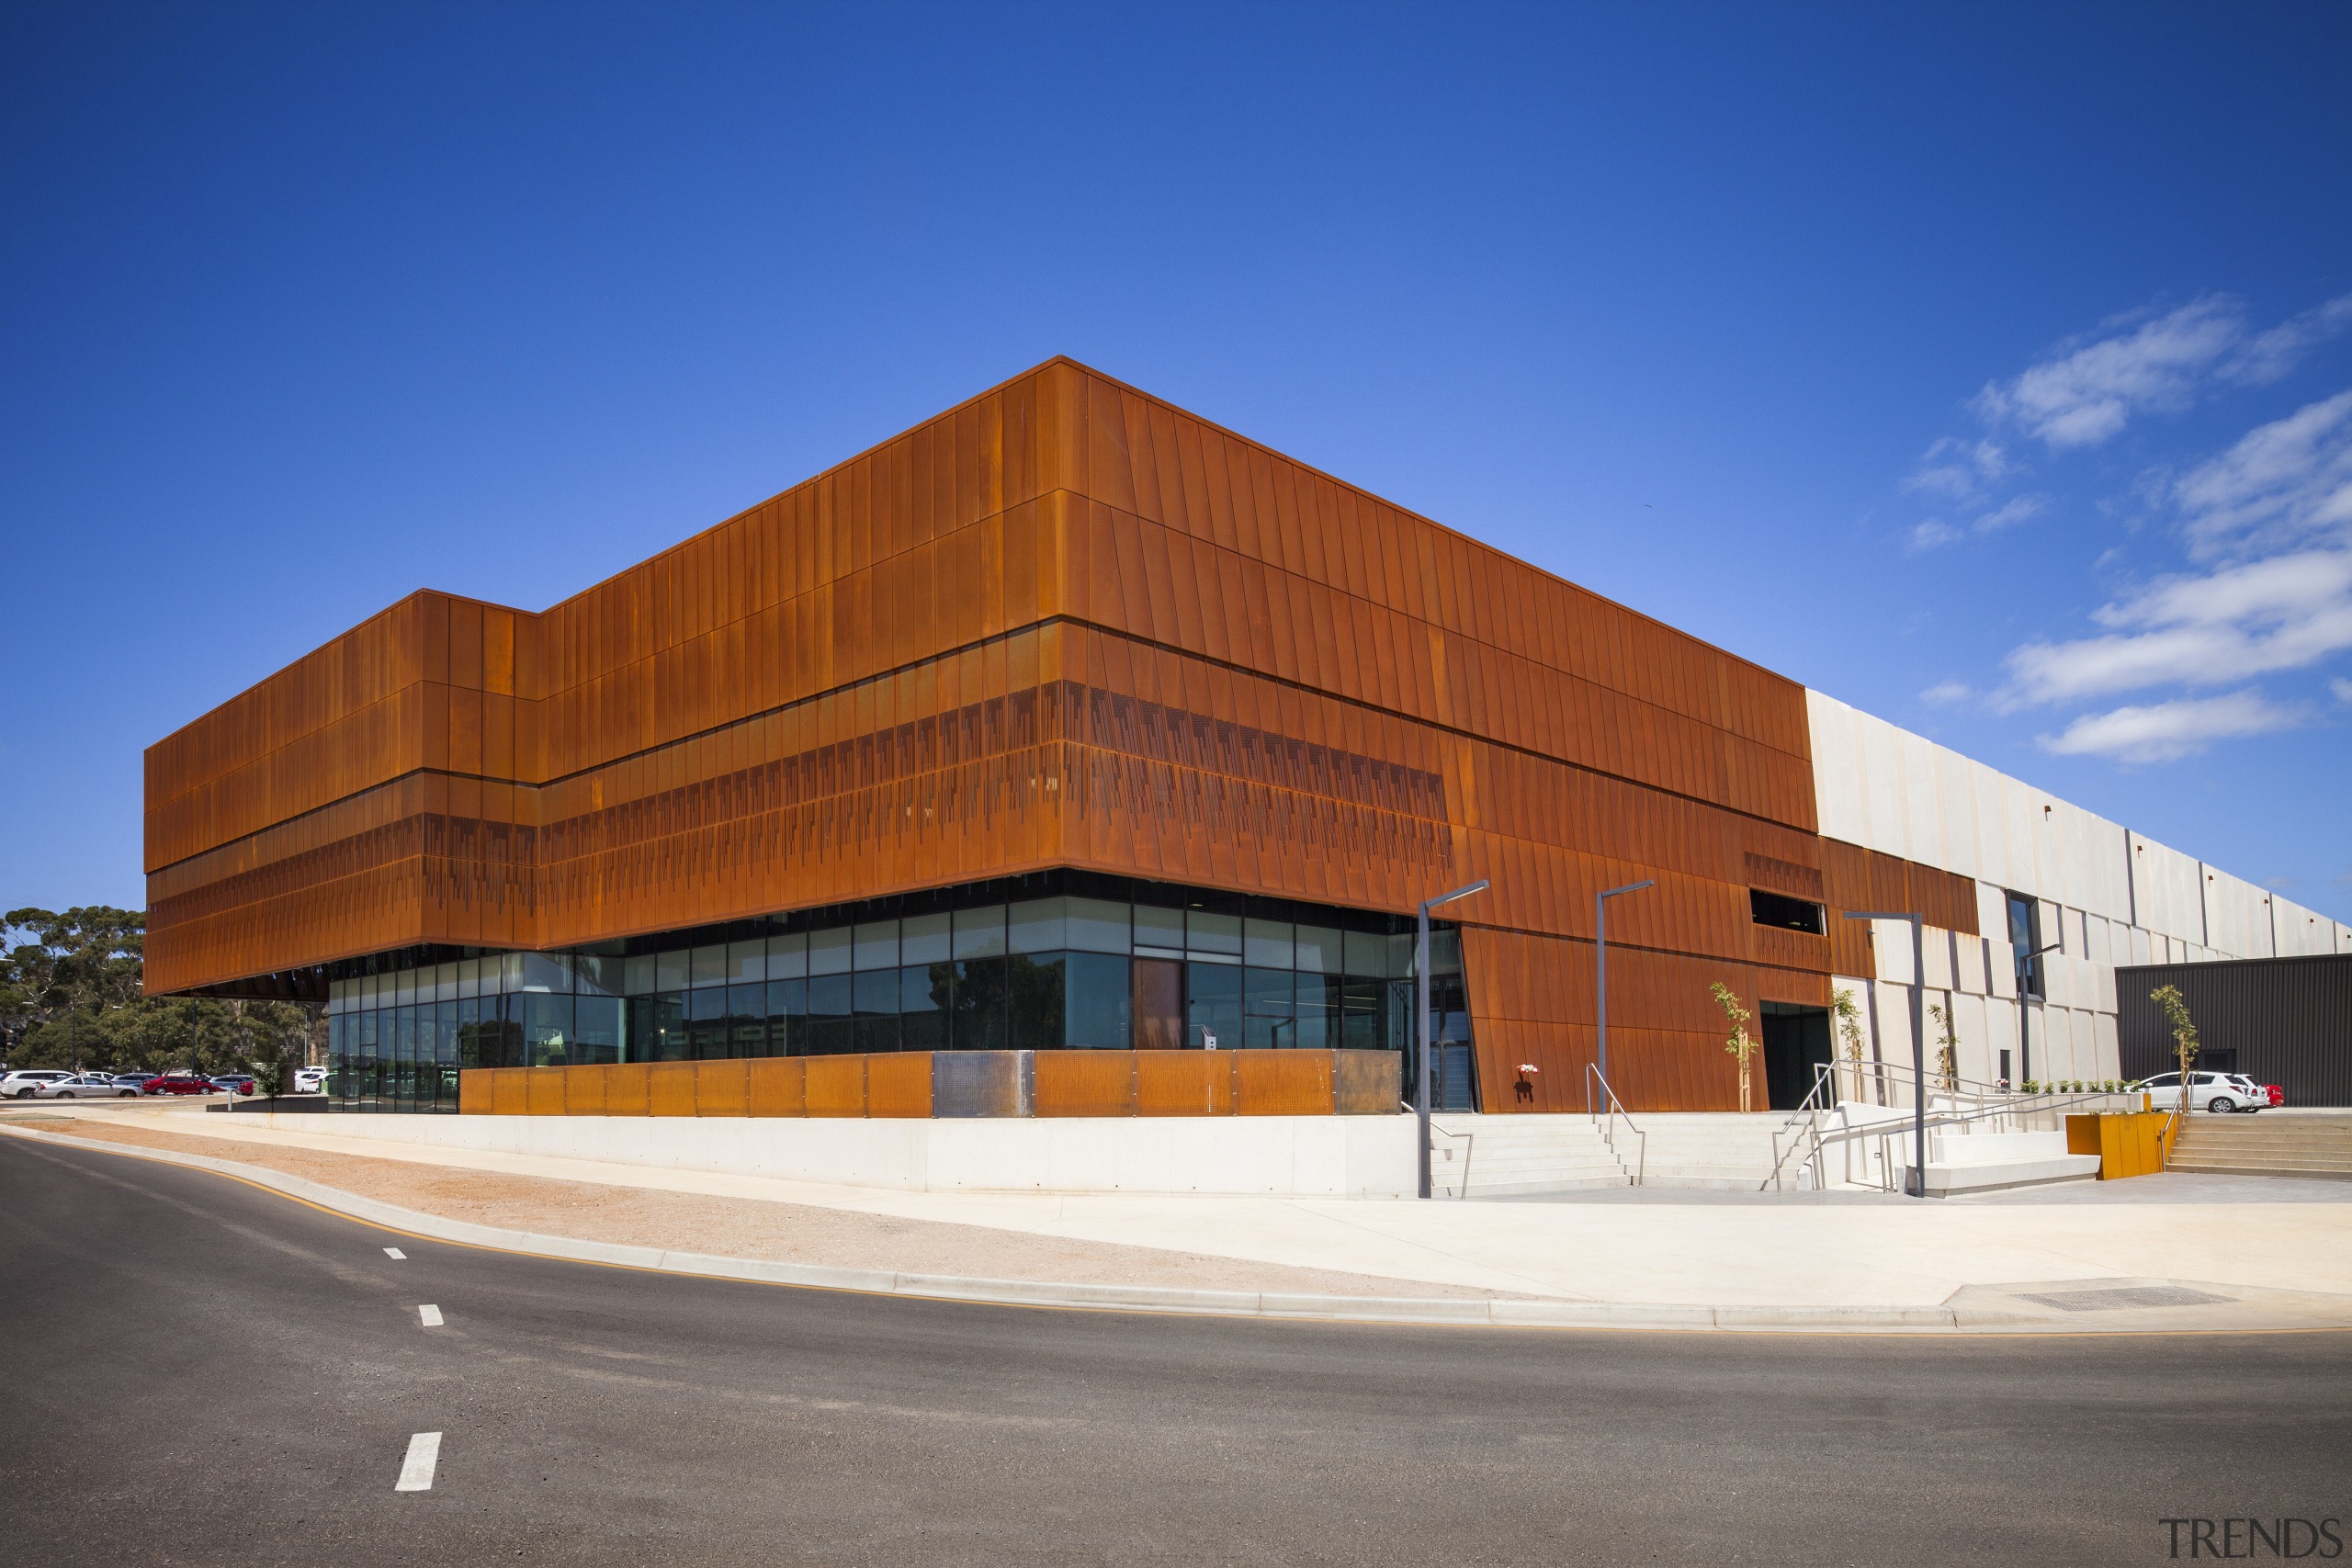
2281 614
2284 483
2342 688
1943 694
2272 354
2163 732
1935 532
1959 469
2091 388
2089 392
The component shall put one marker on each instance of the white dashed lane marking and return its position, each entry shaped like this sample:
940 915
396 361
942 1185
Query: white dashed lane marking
424 1453
396 1254
431 1317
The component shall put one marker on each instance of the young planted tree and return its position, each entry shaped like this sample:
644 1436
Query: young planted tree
1947 1047
1850 1032
2184 1035
1741 1046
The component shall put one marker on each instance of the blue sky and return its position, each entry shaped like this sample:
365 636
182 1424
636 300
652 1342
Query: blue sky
1985 366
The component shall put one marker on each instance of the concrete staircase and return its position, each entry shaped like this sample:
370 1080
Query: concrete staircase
2269 1143
1498 1157
1725 1151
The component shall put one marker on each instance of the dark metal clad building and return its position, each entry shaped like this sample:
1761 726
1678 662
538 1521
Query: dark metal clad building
2282 1020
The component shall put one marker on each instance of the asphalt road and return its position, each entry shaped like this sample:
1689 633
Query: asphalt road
198 1371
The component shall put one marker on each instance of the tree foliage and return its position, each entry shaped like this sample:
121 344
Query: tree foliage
70 998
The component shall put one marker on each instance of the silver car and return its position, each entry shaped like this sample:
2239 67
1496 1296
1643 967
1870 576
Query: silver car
89 1086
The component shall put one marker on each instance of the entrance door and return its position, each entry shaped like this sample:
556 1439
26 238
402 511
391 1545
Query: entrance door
1796 1040
1158 1004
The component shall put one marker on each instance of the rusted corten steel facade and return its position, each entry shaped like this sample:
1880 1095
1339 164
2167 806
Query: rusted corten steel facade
1061 625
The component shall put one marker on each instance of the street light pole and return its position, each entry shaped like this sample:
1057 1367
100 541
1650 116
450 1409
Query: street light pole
1600 961
1916 1185
2025 1046
1421 1010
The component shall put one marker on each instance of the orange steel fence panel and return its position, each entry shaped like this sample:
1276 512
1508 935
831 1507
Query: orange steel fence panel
1086 1083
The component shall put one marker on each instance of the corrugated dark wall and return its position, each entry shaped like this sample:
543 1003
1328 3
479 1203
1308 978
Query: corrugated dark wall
2290 1020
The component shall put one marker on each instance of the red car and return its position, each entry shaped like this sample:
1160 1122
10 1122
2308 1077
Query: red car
2278 1095
180 1083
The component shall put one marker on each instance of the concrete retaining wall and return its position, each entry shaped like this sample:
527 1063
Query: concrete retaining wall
1305 1156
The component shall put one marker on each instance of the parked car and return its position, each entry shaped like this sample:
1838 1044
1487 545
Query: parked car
2206 1091
2276 1093
31 1081
180 1083
135 1081
87 1086
310 1080
236 1083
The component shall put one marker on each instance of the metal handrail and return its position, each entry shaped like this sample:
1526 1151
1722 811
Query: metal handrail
1605 1118
1990 1103
1438 1130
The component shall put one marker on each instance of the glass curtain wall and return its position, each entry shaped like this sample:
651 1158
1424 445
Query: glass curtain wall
1059 962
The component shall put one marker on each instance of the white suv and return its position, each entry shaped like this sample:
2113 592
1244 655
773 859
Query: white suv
33 1083
2206 1091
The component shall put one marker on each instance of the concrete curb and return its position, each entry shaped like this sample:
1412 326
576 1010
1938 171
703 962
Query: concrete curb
1466 1312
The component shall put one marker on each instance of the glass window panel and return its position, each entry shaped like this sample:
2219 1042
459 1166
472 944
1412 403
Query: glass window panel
1034 999
1097 1002
1267 943
922 939
510 972
1212 1005
1035 926
672 970
1320 951
788 1016
1318 1011
924 991
1445 953
597 1023
1269 1002
543 972
1400 957
788 956
707 1035
638 974
829 951
747 1016
547 1029
875 994
1158 927
1095 925
404 989
657 1028
976 1010
874 945
747 962
600 975
833 1021
979 934
468 977
708 966
445 982
1205 932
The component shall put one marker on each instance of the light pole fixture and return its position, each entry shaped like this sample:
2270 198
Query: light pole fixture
2025 1045
1421 1010
1916 1185
1600 961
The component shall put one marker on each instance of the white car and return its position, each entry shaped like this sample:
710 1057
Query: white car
2206 1091
32 1082
310 1080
